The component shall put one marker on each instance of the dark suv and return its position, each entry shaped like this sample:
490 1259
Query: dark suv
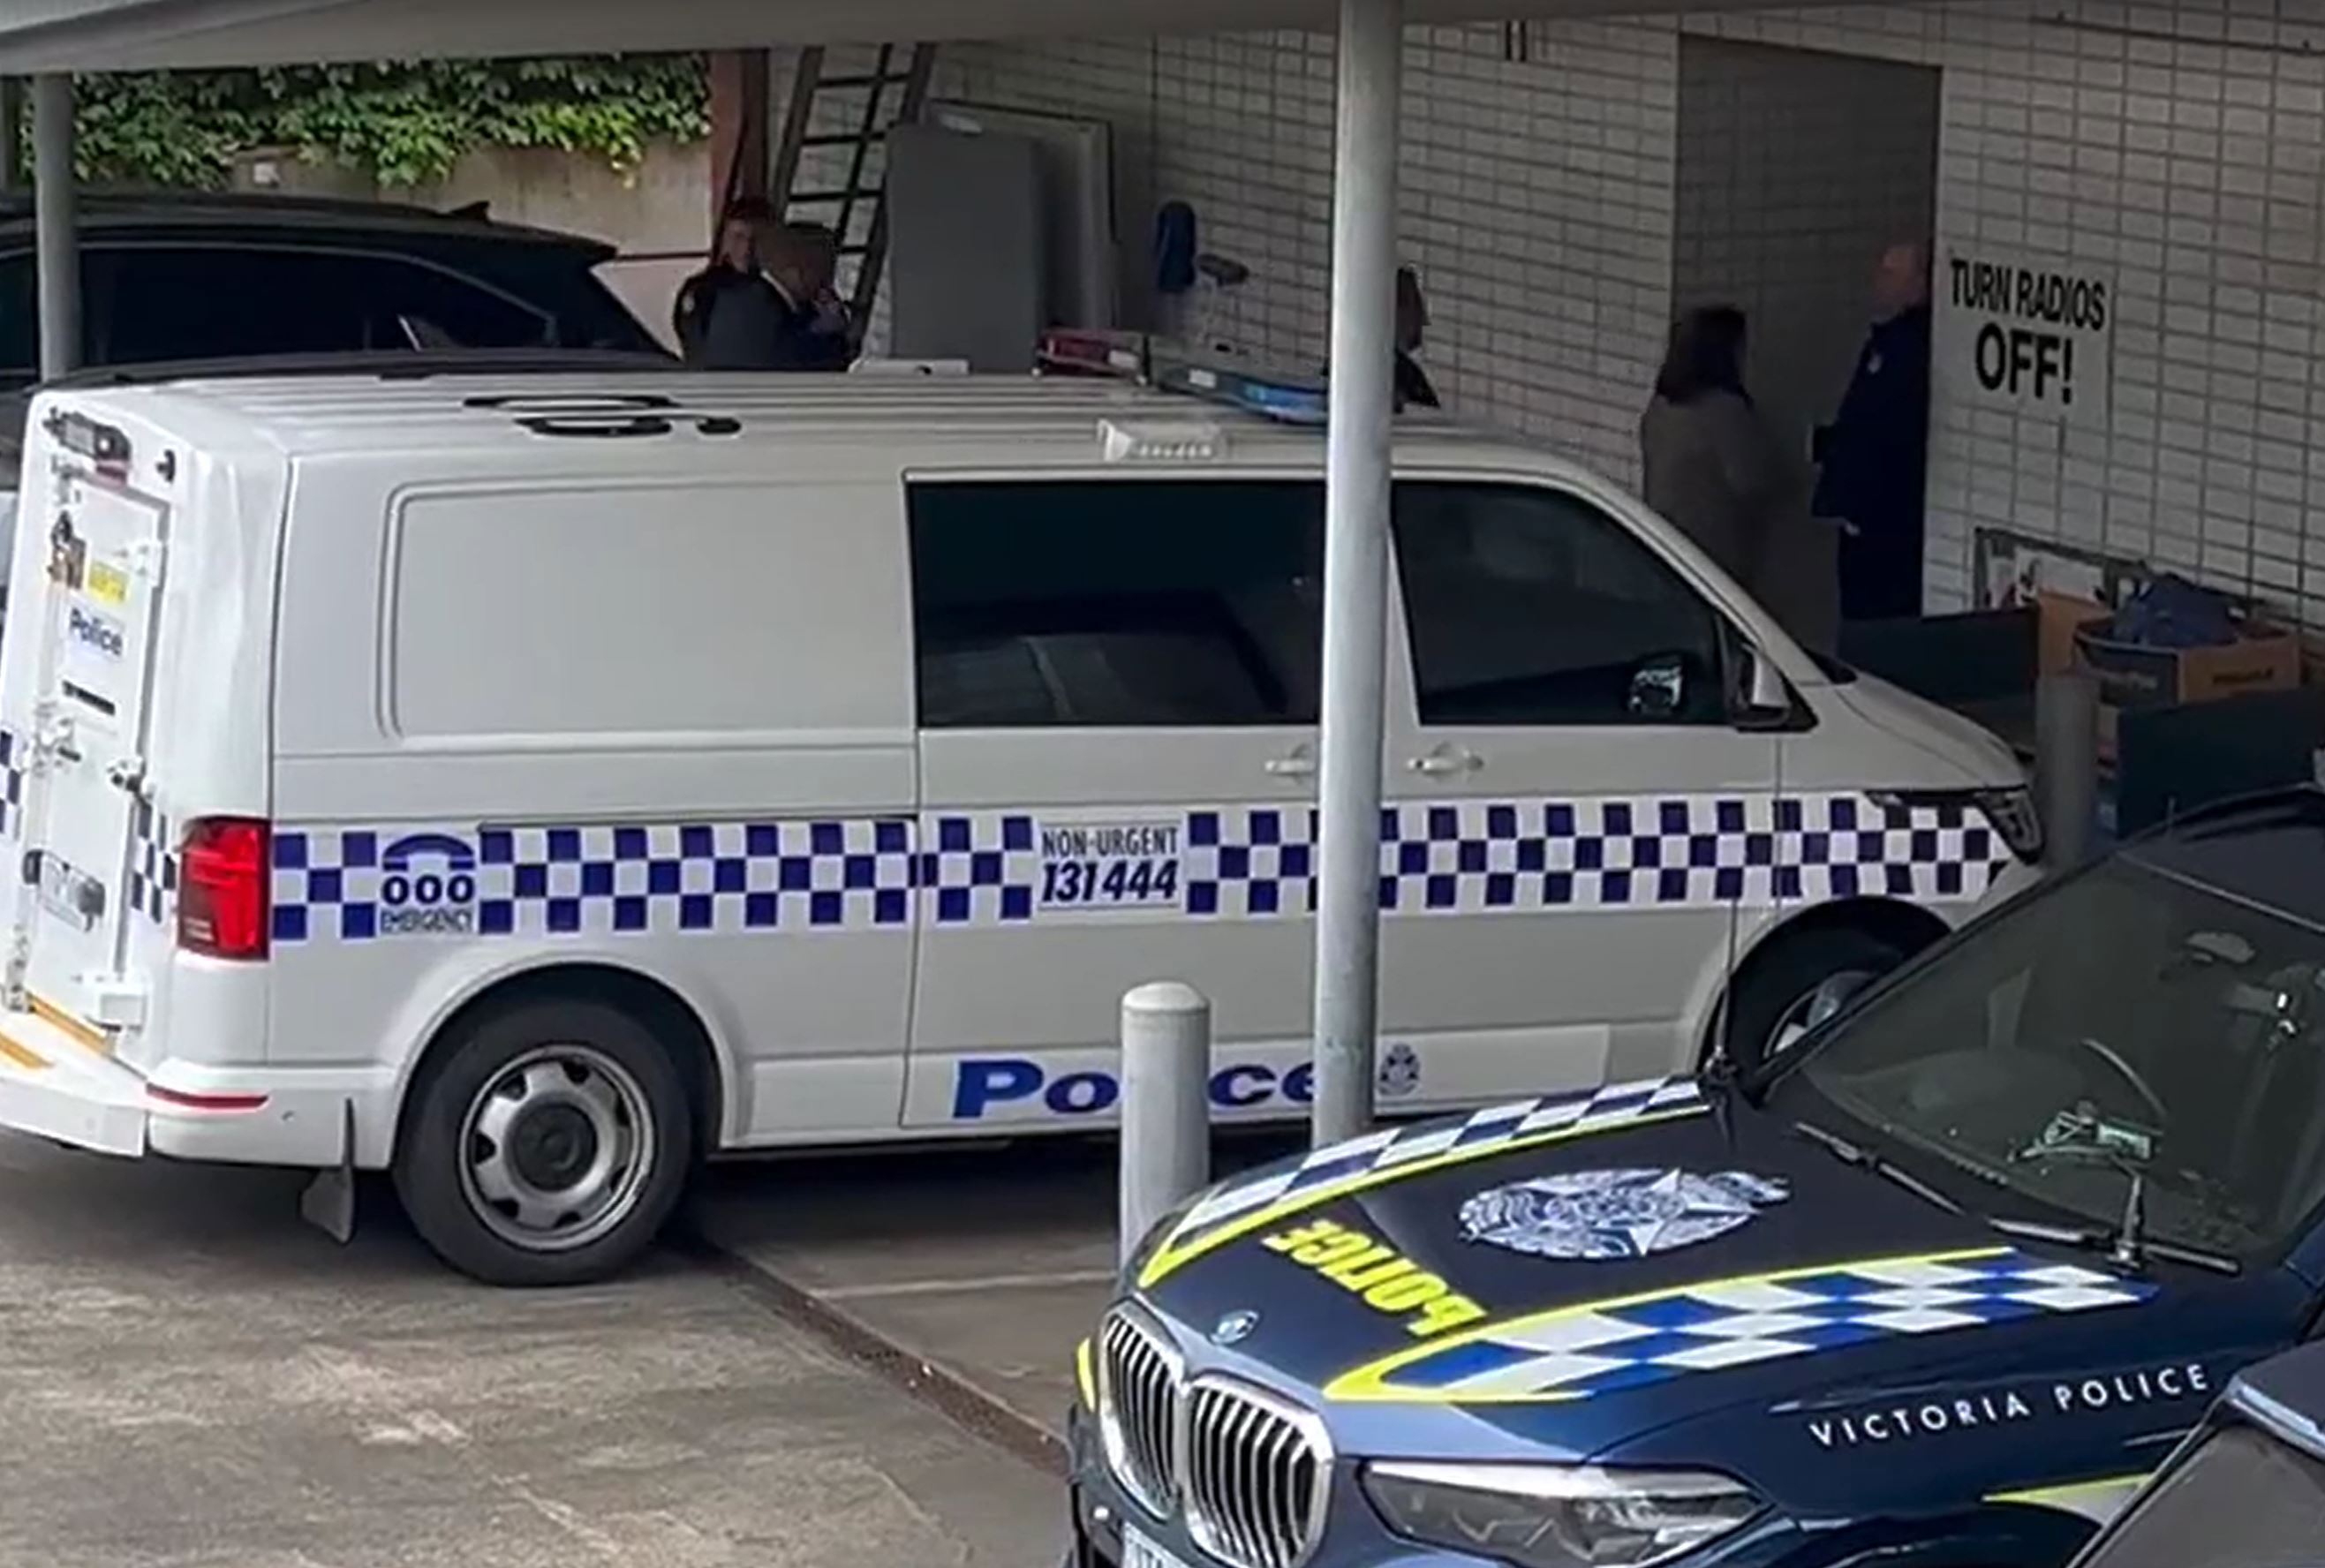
214 281
168 279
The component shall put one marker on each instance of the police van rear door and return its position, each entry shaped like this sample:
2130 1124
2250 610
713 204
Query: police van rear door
91 851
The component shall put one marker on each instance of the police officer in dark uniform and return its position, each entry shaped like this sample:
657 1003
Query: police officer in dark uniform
733 275
1874 455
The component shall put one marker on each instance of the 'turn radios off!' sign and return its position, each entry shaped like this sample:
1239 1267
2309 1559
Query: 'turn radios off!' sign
2032 335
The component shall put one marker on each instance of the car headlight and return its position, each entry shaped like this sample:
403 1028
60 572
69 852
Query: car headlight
2015 819
1548 1516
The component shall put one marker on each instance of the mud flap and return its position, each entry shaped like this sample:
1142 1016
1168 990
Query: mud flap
328 1204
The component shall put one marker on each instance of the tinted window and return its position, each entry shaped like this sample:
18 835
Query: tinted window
2126 1023
20 320
1531 606
164 303
1117 602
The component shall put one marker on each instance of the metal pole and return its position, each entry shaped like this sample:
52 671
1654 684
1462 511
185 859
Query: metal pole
1166 1135
1355 563
55 222
2066 764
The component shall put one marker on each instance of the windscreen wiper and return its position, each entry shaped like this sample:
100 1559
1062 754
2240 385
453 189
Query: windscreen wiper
2112 1242
1864 1159
2128 1243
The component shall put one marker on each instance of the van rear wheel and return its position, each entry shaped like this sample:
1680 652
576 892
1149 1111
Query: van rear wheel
545 1145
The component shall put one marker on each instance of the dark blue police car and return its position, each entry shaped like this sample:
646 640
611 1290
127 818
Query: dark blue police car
1938 1286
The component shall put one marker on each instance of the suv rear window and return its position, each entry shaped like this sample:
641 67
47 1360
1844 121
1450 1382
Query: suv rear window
156 304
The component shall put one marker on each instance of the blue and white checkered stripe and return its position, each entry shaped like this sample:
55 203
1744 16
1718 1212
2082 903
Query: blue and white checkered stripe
981 870
1003 868
603 879
13 769
1578 1352
1479 857
1476 1136
152 863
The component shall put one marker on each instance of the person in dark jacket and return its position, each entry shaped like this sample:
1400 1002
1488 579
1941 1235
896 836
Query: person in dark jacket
803 265
734 270
1874 455
1413 384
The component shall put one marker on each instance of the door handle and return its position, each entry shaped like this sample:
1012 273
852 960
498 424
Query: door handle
1446 762
1296 766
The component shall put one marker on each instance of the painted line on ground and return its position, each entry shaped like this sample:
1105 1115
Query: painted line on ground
906 1288
976 1411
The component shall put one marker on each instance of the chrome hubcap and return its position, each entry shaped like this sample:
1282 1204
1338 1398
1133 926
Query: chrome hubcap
1805 1013
557 1147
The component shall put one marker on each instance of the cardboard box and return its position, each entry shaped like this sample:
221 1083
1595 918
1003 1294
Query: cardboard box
2057 617
2134 674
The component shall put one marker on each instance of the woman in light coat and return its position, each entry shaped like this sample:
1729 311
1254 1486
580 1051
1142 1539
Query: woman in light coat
1711 466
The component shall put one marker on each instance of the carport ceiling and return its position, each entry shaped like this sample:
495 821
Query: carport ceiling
45 35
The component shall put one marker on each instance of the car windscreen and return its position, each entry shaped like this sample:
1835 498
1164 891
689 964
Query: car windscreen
2125 1022
2241 1500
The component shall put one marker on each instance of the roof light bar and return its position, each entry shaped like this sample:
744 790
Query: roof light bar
1290 396
1296 399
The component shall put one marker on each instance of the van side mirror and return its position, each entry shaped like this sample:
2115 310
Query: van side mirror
1762 691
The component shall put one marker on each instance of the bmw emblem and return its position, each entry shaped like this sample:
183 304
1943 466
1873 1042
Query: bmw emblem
1235 1328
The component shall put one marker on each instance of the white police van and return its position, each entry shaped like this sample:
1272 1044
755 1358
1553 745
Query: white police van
527 785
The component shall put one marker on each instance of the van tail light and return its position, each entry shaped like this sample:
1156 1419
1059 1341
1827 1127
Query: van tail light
224 888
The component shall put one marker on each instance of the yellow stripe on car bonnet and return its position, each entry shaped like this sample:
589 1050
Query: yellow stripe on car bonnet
1599 1347
1084 1378
2096 1500
1236 1209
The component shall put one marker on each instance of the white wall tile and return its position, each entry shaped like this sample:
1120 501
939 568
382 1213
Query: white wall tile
2181 144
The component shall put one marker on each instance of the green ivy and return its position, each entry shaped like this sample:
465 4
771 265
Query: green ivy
408 122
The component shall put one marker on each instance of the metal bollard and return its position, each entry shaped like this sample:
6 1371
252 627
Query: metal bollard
2066 764
1166 1134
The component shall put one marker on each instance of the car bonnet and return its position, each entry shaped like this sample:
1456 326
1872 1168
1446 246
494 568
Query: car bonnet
1570 1275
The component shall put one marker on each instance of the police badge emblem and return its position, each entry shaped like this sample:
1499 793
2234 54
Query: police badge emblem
1400 1071
1616 1214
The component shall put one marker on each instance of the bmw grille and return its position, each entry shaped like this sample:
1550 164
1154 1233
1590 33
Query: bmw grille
1250 1470
1138 1376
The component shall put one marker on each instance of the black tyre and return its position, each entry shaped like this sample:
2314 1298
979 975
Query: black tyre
545 1145
1781 983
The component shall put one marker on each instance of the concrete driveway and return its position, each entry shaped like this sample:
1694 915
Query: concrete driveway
189 1377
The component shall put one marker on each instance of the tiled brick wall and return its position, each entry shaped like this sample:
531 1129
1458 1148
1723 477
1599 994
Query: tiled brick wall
2180 146
1536 197
1796 167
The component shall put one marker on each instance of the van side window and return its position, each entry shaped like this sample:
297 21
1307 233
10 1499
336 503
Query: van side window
1530 605
1117 602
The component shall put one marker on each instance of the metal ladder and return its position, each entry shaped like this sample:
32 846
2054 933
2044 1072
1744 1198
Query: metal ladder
831 134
